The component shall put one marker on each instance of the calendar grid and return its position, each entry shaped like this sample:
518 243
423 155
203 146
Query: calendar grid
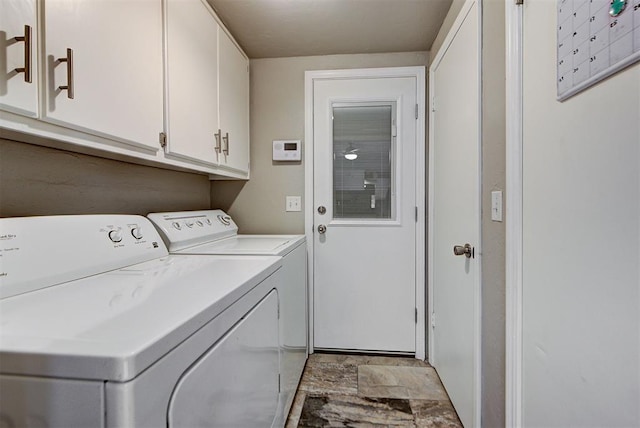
592 45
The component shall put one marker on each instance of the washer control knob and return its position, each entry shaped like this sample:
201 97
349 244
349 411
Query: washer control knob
224 219
136 233
115 235
199 223
176 225
189 224
208 221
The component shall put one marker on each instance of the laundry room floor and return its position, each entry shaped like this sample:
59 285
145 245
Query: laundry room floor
339 390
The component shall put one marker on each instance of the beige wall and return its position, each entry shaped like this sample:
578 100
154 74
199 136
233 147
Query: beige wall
493 178
493 233
277 112
37 180
580 307
456 5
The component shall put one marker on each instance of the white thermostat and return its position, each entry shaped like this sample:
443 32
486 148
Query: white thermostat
286 150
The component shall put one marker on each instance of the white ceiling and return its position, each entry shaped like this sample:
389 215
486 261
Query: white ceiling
284 28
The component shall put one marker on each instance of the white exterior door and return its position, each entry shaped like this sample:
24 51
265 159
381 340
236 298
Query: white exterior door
364 214
455 214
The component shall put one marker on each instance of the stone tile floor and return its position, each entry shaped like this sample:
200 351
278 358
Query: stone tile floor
340 390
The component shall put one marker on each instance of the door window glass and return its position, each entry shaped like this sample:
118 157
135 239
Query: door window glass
363 142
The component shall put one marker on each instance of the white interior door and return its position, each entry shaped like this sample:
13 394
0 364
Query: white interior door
455 213
364 187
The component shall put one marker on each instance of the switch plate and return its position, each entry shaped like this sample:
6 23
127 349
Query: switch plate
496 205
293 203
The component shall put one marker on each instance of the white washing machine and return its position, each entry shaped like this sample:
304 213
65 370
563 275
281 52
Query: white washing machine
214 232
100 327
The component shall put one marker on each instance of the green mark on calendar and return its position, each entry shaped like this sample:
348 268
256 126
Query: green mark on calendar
617 6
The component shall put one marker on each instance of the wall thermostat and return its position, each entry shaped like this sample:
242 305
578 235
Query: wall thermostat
286 150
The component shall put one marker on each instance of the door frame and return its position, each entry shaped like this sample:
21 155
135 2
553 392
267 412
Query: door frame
370 73
477 345
514 214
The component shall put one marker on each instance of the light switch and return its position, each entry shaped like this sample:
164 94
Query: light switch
496 205
293 203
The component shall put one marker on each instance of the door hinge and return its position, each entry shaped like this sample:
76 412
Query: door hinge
519 2
163 140
279 389
416 313
433 320
416 214
416 111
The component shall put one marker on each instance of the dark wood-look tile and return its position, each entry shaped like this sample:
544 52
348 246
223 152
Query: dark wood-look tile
341 390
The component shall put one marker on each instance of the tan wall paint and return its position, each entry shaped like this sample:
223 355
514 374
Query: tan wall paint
493 233
493 178
277 113
455 8
37 180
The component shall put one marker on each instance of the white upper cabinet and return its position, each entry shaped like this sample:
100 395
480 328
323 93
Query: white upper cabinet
102 64
192 81
234 104
112 77
18 78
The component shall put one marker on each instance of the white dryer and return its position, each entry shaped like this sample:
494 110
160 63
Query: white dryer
214 232
100 327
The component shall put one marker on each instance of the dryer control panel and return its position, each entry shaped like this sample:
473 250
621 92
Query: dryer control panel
38 252
184 229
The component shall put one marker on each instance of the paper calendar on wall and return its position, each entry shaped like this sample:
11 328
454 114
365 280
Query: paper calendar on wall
596 38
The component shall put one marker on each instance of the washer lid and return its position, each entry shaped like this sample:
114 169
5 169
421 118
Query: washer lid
278 245
114 325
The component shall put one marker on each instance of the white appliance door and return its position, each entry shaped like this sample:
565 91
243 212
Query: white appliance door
364 214
234 384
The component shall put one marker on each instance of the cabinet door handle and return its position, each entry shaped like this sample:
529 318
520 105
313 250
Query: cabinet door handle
218 143
27 53
226 144
69 60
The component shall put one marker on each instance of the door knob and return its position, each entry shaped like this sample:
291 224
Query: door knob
322 209
467 250
322 228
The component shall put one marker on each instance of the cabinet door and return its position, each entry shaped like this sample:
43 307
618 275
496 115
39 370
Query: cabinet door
18 89
192 70
116 72
234 104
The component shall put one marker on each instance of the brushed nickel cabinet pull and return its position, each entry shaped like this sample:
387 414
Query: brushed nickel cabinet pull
27 53
218 143
69 60
226 144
